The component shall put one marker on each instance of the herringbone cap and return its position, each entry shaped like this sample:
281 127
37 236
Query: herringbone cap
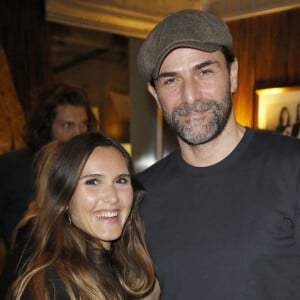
187 28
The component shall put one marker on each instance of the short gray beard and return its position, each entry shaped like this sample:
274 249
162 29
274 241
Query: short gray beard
214 121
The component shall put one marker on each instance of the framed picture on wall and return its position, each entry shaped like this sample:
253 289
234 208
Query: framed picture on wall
278 110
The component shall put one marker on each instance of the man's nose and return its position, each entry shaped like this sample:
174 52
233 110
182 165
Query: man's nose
190 90
78 129
82 128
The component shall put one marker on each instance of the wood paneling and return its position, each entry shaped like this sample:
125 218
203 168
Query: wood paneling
25 37
12 119
267 48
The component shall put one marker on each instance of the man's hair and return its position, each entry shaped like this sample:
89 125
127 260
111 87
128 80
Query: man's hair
45 102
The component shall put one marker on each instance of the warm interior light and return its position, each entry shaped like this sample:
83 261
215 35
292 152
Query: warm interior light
127 147
271 91
271 101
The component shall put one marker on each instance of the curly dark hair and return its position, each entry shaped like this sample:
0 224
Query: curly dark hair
45 101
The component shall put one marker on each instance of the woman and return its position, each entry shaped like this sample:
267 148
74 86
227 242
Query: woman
86 237
284 123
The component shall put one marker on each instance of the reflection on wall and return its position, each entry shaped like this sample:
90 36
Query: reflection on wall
278 110
106 83
12 119
115 116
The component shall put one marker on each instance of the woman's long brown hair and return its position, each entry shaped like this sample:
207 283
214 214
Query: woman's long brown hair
54 246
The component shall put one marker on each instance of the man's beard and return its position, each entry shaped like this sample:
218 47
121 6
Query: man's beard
201 129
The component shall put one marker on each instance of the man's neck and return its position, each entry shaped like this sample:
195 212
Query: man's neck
214 151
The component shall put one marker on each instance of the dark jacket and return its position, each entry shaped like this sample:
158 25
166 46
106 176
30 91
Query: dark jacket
16 189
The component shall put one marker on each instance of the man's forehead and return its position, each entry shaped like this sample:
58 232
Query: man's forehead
179 56
72 112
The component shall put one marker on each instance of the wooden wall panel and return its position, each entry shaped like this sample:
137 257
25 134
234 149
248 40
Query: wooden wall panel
12 119
267 48
242 49
25 37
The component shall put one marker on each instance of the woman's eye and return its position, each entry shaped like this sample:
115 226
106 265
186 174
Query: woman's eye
92 182
122 180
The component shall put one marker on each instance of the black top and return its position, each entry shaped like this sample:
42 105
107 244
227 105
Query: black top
56 288
16 189
230 230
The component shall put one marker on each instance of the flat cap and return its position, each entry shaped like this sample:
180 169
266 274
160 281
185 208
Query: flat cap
186 28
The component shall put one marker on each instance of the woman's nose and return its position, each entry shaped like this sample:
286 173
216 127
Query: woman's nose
110 194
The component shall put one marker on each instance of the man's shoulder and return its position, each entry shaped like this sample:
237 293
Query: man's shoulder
17 156
278 142
19 161
281 150
159 168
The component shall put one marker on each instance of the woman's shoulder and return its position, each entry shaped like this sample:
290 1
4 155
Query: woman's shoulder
55 287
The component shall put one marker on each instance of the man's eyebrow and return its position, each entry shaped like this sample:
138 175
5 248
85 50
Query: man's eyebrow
205 64
196 67
166 74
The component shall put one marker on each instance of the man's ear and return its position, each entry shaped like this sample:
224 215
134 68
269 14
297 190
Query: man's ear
153 92
234 75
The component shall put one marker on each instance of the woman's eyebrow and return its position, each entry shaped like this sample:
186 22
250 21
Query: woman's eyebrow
90 175
123 175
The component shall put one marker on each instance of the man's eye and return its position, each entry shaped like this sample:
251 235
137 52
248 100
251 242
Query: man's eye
205 72
165 81
169 81
84 124
67 125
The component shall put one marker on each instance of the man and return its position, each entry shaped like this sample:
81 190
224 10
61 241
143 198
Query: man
222 213
60 112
